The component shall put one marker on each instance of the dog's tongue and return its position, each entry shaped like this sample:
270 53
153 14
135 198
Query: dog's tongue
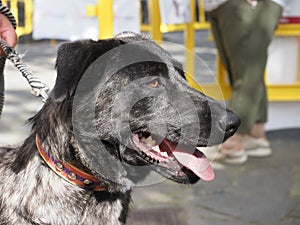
197 163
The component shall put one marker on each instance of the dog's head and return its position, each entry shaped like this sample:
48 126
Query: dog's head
125 106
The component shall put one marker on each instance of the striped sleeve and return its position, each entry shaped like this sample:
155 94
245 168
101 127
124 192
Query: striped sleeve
5 11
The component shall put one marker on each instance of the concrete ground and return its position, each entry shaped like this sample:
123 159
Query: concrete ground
261 192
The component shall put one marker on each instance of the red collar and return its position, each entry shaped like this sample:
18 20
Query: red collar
70 173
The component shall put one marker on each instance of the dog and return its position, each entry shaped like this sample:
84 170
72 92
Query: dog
120 108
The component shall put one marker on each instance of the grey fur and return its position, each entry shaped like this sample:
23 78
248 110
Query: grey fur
31 193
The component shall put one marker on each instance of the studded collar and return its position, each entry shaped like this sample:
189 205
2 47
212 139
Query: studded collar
68 172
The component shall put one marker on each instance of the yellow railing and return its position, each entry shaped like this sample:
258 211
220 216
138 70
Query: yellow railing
284 92
104 11
276 92
22 11
156 27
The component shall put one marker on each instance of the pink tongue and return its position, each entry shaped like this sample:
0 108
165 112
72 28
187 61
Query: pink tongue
200 166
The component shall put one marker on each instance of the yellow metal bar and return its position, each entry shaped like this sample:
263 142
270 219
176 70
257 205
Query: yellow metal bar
165 28
189 45
284 93
91 10
155 21
28 11
14 8
145 27
201 11
104 12
288 30
202 24
105 18
214 90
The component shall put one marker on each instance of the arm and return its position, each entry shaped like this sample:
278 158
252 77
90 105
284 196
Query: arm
7 25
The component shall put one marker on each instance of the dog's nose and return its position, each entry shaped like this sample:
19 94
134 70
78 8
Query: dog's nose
229 124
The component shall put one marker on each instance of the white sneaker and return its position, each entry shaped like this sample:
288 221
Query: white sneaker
256 147
234 157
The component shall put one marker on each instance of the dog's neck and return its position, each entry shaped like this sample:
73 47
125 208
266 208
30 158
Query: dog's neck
69 172
66 153
36 195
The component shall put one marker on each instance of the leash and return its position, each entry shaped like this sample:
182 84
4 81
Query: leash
38 88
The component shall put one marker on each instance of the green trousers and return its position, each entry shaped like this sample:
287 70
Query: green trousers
242 35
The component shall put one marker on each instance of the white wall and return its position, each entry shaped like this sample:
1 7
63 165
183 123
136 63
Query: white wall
283 115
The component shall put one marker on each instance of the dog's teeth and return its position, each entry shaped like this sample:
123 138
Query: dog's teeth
156 148
164 154
148 141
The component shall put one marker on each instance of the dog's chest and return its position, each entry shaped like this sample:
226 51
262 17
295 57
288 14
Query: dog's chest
104 214
61 211
38 196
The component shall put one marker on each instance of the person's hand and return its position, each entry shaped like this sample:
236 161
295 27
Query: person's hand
7 32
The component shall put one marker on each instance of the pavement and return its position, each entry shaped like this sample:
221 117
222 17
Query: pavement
261 192
264 191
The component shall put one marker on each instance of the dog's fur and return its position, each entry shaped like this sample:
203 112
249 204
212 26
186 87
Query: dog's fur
31 193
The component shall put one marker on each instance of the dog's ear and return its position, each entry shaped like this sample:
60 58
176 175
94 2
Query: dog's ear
73 59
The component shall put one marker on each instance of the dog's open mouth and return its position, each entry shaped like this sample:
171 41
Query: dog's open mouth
178 159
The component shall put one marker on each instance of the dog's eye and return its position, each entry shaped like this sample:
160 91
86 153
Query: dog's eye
154 83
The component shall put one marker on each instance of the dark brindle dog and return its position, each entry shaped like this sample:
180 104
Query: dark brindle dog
119 109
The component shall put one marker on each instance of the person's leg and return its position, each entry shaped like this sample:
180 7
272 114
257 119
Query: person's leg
237 156
223 26
218 40
245 36
267 24
231 35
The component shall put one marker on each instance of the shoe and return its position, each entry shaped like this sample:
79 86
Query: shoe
233 157
256 147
